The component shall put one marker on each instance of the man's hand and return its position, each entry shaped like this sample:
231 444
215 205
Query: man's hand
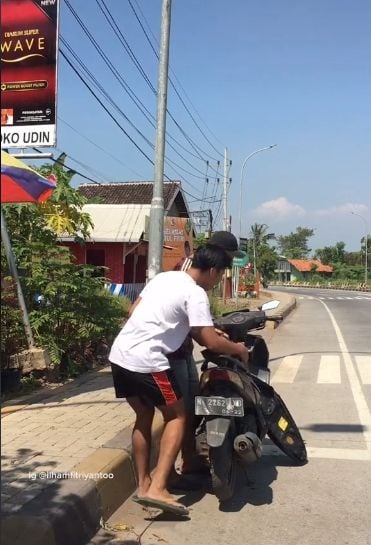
242 353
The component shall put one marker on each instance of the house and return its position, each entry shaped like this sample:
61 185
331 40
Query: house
119 238
291 270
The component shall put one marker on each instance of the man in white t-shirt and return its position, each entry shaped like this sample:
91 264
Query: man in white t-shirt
171 305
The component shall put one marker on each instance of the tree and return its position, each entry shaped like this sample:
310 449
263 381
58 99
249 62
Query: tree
70 312
265 257
331 254
63 211
295 245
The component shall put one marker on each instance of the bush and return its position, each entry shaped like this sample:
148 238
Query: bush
76 317
13 338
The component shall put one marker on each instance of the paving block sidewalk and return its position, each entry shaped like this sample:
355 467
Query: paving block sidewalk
66 459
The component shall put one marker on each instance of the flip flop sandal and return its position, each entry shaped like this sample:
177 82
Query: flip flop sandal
168 507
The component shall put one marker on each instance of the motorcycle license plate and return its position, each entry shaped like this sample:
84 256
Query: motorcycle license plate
219 406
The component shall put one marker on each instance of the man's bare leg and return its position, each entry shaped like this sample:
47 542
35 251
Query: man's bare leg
141 440
171 440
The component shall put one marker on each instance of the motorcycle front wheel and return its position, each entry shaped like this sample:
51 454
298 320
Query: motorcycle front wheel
223 468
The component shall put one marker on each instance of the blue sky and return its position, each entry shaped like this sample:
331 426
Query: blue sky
295 74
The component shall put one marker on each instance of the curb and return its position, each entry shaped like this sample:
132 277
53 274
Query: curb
70 511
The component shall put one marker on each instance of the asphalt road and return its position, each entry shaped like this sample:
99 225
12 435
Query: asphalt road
321 366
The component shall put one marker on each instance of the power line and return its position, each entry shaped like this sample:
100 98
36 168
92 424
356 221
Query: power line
112 23
106 109
69 168
114 104
99 147
171 82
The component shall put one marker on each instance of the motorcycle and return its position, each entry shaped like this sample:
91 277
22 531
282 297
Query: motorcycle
238 407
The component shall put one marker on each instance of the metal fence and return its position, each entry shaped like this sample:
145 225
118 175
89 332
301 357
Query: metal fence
125 290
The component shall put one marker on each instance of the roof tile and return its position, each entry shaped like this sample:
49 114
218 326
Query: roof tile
128 192
305 265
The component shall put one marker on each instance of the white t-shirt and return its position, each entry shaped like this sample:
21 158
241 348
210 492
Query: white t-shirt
171 304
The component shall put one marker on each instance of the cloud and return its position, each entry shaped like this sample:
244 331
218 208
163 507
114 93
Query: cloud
347 208
280 208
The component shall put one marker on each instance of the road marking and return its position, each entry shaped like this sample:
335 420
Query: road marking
355 386
339 453
288 368
364 368
329 370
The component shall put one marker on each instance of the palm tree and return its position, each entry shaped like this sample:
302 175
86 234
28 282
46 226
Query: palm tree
259 237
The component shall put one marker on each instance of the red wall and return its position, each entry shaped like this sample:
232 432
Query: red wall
113 257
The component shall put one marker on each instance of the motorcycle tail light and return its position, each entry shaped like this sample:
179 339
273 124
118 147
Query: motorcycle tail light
221 374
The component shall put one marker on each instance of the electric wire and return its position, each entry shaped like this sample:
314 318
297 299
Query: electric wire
175 77
138 65
69 168
114 104
99 147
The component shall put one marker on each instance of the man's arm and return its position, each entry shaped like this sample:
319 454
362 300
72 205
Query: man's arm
134 306
207 336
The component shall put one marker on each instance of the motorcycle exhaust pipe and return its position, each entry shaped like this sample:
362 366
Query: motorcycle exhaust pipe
248 447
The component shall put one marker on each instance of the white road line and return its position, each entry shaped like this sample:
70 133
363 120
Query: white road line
287 370
339 453
329 370
355 386
364 368
325 452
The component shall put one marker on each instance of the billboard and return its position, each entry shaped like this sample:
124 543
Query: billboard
178 241
29 35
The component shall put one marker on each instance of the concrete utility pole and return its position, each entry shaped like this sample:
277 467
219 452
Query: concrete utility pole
226 222
156 218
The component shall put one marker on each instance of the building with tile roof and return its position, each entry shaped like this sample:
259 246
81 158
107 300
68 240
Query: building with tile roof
289 270
119 238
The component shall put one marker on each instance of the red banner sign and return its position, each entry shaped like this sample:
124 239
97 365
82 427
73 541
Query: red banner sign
29 34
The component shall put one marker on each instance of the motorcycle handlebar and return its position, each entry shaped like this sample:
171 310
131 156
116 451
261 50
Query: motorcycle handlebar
277 318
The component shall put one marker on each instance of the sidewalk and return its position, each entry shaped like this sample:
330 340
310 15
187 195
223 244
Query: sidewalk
66 459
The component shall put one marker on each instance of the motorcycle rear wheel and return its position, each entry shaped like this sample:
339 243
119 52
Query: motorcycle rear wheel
223 469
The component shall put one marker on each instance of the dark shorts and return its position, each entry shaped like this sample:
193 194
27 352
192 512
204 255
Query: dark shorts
155 389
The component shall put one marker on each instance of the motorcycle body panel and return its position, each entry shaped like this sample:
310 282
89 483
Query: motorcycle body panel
216 430
230 434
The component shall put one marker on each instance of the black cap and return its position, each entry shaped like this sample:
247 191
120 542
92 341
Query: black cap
227 241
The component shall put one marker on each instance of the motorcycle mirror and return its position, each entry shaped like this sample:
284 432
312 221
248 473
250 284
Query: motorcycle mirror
270 305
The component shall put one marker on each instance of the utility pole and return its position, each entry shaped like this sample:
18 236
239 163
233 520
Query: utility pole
156 218
226 225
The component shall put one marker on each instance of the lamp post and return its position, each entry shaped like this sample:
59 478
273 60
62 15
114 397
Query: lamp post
241 180
240 209
366 243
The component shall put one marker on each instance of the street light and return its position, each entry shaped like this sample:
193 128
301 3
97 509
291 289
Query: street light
240 214
241 179
366 243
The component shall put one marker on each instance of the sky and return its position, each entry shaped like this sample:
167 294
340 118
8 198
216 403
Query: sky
252 74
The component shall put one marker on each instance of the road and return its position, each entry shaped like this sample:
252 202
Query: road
321 366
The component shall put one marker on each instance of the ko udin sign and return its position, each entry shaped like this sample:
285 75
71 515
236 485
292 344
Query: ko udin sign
29 34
